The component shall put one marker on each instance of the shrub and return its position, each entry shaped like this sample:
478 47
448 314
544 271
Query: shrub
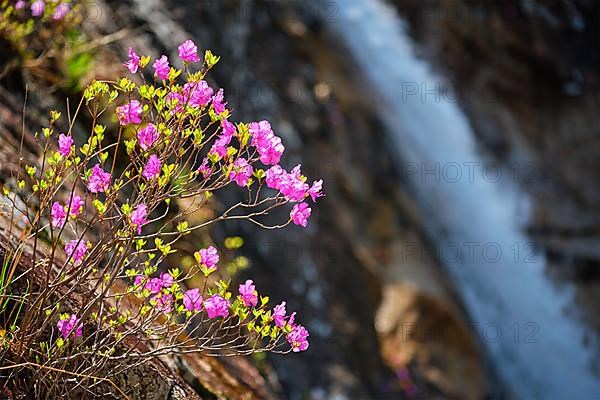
19 19
100 303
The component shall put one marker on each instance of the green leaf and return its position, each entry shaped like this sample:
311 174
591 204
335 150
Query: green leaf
182 226
210 59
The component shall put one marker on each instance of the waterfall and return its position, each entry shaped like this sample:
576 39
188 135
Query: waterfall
536 348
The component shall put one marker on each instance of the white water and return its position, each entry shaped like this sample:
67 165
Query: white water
505 292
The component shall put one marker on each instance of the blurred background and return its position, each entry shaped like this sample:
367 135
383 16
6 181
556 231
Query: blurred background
456 255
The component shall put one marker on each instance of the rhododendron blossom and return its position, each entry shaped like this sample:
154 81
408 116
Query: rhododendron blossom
216 306
130 113
197 94
139 217
37 8
59 215
164 302
20 4
162 68
209 257
316 190
248 294
300 214
292 319
147 136
241 172
220 146
219 103
139 281
154 285
204 169
176 101
228 128
134 61
76 206
271 150
59 212
61 10
192 300
279 314
273 176
64 145
99 180
291 185
166 279
298 338
66 326
152 168
188 51
267 144
76 250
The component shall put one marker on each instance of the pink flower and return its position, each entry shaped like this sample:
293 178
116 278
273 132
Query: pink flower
300 214
209 257
274 176
147 136
139 217
242 171
192 300
271 151
216 306
130 113
139 281
99 180
76 250
175 101
219 103
76 207
152 168
188 51
279 314
166 279
220 146
228 128
162 68
64 145
59 215
249 294
134 61
66 326
292 319
19 4
260 131
204 169
164 302
154 285
59 212
268 145
37 8
197 94
292 185
316 190
297 338
61 10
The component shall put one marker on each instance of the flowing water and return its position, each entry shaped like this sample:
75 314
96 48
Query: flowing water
475 220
